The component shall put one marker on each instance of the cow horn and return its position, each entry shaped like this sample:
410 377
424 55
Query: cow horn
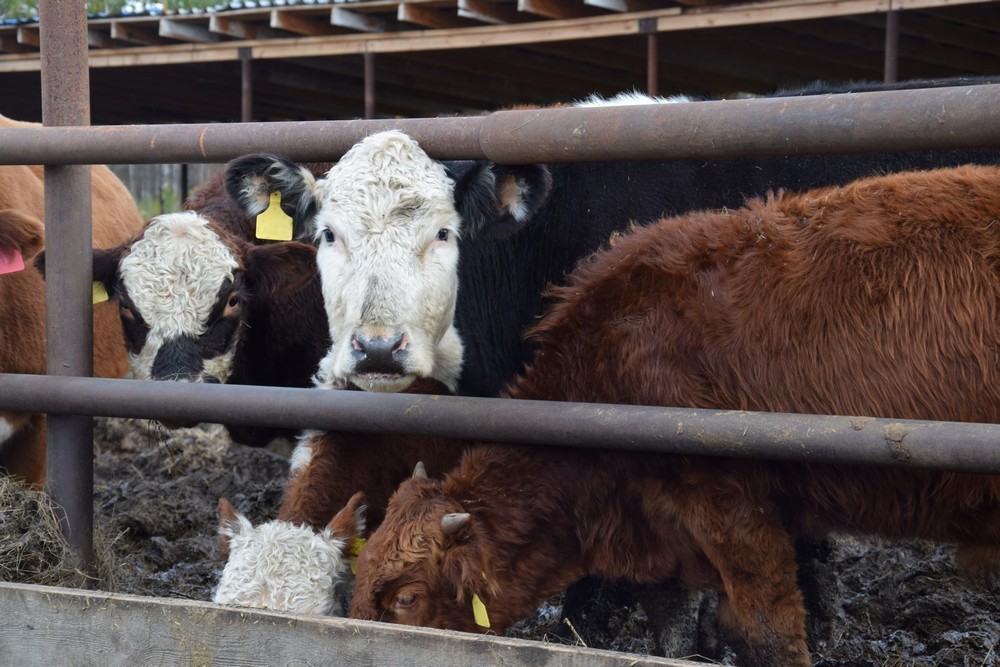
452 523
419 470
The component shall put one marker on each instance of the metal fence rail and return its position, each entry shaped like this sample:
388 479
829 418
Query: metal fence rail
960 117
955 446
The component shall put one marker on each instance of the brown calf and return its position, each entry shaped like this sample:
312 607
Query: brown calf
880 298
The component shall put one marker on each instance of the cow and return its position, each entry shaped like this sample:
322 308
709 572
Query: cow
201 299
22 297
878 298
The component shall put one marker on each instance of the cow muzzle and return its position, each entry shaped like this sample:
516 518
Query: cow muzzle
380 362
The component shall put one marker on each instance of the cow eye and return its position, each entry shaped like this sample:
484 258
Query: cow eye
443 234
233 300
328 235
404 601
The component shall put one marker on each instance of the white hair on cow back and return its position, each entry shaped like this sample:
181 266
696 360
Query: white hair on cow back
387 232
282 566
629 98
302 454
173 275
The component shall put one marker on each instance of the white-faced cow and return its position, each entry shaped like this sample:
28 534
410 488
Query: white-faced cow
22 297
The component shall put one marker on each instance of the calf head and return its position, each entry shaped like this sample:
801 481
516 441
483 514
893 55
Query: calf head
183 285
387 220
287 567
428 564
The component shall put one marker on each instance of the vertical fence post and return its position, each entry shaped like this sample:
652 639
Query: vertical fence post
891 67
68 315
369 69
246 84
648 28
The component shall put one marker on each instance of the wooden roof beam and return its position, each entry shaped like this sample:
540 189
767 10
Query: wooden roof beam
187 31
623 5
300 24
29 36
98 38
362 22
556 9
9 44
241 29
485 11
429 17
127 31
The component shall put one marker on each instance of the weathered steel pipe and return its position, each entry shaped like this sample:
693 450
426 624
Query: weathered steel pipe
959 117
918 444
69 461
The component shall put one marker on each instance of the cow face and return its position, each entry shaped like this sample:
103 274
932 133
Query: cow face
287 567
387 220
426 565
183 287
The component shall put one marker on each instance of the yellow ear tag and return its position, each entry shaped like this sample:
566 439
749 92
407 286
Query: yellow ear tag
274 224
357 544
100 293
479 612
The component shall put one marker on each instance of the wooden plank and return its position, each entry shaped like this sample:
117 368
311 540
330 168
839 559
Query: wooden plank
242 29
128 31
99 39
625 5
29 36
555 9
429 17
488 12
45 626
186 31
362 22
9 44
300 24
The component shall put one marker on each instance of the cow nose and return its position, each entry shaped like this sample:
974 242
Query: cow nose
177 359
379 354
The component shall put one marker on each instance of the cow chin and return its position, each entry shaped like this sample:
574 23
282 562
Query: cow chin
381 382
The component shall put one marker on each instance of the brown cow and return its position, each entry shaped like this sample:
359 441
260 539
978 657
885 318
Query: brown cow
879 298
22 303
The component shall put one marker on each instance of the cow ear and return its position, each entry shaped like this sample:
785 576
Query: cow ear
494 200
106 262
231 524
349 523
251 180
468 569
277 269
21 232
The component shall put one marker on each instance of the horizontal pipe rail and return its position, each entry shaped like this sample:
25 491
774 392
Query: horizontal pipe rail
955 446
959 117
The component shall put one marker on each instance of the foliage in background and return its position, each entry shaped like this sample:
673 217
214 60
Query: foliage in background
24 9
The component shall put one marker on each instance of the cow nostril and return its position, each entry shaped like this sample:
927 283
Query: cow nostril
378 354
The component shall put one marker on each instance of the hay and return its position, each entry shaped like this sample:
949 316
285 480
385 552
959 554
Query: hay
33 549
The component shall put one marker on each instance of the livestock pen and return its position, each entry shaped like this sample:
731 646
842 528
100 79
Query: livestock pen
202 633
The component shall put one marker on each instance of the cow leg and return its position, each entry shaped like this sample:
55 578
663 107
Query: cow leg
761 608
22 455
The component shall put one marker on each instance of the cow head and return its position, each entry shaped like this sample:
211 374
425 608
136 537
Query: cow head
183 285
287 567
428 564
387 220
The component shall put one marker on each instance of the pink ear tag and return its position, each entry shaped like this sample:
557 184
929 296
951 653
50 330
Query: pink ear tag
11 261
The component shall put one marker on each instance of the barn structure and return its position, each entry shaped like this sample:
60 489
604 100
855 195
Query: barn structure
418 59
325 59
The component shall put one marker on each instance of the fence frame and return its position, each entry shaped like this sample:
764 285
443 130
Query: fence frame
892 120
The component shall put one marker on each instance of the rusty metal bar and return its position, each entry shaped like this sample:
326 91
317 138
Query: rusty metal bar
68 313
959 117
369 70
891 67
955 446
246 84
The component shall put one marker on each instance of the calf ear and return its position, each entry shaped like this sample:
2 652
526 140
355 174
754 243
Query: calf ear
494 200
231 524
105 266
277 269
349 522
21 232
251 179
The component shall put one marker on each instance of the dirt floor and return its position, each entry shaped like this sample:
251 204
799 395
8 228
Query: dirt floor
898 604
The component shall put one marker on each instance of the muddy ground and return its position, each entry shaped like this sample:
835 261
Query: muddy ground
898 604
